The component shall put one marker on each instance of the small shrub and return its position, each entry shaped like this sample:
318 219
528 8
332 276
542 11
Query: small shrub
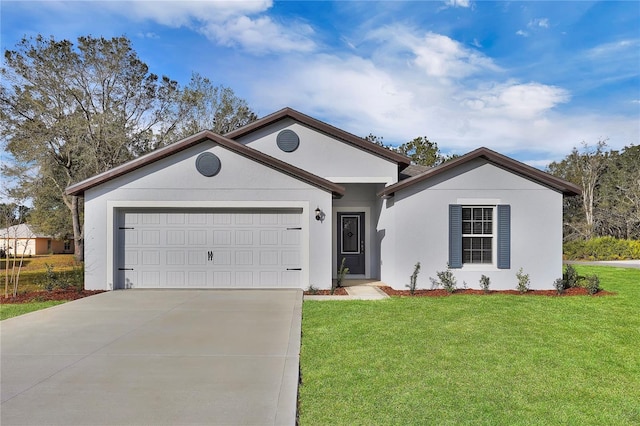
446 280
523 281
413 279
341 274
63 280
312 289
560 285
485 282
570 277
592 284
50 279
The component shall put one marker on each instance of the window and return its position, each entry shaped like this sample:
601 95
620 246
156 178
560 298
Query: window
67 245
477 235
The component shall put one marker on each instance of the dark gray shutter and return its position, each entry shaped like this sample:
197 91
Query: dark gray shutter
504 236
455 236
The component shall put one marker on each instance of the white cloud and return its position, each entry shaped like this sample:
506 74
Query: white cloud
518 101
522 33
237 23
435 55
613 49
539 23
457 3
416 84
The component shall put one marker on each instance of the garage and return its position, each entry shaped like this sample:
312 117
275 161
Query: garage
216 248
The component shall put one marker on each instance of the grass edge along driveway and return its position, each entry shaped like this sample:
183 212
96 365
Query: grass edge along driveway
475 359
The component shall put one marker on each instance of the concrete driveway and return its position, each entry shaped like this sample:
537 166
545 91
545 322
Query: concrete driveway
209 357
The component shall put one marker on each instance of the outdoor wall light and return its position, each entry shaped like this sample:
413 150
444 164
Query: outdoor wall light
319 214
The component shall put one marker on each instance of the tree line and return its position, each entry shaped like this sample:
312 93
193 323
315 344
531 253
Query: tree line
610 200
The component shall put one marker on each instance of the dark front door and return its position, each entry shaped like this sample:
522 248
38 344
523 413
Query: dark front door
351 241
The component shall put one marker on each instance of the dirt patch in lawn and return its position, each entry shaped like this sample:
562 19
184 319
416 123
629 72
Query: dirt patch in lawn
340 291
44 296
576 291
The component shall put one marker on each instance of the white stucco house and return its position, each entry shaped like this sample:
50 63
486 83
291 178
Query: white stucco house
280 202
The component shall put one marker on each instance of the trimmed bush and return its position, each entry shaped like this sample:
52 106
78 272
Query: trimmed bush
523 281
592 284
446 280
602 248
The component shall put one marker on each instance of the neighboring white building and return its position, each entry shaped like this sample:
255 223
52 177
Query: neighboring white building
280 202
23 240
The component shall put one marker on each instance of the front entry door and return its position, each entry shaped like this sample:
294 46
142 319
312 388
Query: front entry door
351 242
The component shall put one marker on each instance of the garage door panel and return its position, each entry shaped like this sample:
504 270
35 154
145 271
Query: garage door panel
197 279
243 237
197 237
175 237
214 249
176 278
222 237
151 237
269 258
150 257
244 278
291 278
269 237
221 257
197 258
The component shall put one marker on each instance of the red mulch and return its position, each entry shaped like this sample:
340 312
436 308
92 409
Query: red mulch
43 296
576 291
340 291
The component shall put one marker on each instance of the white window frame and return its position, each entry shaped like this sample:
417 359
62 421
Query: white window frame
493 236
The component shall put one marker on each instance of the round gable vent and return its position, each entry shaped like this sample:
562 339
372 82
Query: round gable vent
208 164
288 140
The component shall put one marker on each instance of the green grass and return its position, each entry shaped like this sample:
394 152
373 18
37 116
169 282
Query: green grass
10 310
475 359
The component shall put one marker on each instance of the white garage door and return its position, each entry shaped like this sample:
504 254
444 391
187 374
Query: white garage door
210 249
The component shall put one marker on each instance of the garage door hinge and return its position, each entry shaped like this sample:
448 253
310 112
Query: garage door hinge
125 269
122 227
294 229
294 269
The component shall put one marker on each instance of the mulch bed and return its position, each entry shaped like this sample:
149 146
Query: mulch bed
44 296
576 291
340 291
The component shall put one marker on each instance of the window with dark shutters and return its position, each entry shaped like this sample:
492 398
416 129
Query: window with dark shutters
473 236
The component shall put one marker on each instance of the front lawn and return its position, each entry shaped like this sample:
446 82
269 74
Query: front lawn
495 359
9 310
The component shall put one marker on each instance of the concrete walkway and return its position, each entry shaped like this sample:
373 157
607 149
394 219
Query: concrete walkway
155 357
615 263
357 290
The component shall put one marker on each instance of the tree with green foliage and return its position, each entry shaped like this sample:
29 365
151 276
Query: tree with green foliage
422 151
68 112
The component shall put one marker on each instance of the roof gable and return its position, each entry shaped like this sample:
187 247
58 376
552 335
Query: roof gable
238 148
322 127
499 160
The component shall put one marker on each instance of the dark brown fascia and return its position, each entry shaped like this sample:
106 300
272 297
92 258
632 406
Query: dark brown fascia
325 128
502 161
257 156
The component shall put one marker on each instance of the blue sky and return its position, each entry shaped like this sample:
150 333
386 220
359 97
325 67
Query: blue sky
528 79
